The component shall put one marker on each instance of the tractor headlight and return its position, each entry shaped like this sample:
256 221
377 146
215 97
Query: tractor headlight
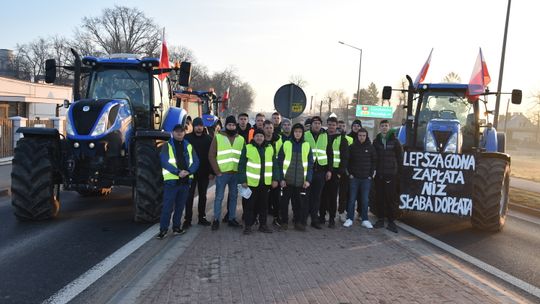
431 145
69 128
101 125
451 146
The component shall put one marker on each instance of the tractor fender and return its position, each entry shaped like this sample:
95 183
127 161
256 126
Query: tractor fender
501 142
173 117
489 140
499 155
41 132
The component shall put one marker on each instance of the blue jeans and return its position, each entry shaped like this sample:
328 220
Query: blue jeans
359 187
230 180
174 197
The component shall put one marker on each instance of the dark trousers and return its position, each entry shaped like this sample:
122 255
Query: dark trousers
329 198
273 201
174 201
299 202
386 193
315 192
343 199
257 204
201 183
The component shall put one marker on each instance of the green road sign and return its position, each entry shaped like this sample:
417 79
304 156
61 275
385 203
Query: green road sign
374 111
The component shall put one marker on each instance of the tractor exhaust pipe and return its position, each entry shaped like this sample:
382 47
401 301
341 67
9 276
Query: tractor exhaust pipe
77 75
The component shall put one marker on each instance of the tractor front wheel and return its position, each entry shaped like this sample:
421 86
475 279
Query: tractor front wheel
148 186
490 194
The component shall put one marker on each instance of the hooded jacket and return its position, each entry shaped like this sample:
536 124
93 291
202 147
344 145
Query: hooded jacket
295 175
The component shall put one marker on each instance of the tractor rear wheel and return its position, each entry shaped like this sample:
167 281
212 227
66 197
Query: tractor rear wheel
32 180
148 186
490 194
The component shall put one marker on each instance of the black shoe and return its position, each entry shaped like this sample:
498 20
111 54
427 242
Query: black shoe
161 235
204 222
265 229
300 227
379 224
225 218
316 225
247 230
284 227
234 223
392 227
275 222
331 223
215 225
322 220
186 225
178 231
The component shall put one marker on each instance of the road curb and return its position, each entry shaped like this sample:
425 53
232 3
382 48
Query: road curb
527 210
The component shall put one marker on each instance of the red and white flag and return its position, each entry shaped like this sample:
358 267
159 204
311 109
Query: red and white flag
225 100
422 75
164 57
480 77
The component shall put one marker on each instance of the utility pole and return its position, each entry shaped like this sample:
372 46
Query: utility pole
499 86
320 109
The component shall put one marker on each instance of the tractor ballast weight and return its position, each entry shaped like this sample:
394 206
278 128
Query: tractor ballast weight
443 120
114 129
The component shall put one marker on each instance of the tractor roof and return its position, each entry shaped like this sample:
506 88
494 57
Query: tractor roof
122 62
443 86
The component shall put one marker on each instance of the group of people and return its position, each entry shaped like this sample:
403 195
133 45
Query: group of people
320 172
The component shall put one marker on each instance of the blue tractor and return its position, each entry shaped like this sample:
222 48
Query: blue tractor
443 119
113 132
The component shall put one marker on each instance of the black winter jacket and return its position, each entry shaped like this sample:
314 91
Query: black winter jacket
361 159
389 155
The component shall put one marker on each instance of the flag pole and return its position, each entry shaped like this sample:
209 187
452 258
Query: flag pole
499 85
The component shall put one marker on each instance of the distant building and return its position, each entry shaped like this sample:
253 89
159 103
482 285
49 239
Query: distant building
6 61
519 128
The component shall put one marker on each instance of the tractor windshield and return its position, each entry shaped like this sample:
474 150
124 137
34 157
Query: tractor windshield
130 84
444 105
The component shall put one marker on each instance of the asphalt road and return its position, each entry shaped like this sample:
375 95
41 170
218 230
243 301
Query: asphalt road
39 258
514 250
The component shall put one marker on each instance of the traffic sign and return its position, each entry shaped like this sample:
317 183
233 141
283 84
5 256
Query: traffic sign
290 100
374 111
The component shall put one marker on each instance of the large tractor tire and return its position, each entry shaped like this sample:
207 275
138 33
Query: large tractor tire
34 195
148 186
490 194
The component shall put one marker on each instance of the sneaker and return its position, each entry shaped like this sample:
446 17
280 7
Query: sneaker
186 225
283 227
300 227
204 222
316 225
247 230
342 217
331 223
366 224
379 224
348 223
215 225
178 231
161 235
392 227
265 229
234 223
275 222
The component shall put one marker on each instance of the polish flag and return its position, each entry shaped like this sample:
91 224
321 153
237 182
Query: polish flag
480 77
225 100
164 57
423 72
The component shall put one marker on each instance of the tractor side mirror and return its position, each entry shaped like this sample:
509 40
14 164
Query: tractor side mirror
66 103
184 75
386 92
516 96
50 70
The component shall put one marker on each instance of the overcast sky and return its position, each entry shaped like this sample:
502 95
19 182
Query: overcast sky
268 41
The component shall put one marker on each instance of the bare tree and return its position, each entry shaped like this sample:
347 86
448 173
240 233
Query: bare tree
452 78
121 30
298 80
30 58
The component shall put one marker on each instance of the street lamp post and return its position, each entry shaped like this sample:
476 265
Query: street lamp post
359 74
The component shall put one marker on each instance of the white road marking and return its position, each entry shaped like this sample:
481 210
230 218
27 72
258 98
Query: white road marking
531 289
71 290
524 217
